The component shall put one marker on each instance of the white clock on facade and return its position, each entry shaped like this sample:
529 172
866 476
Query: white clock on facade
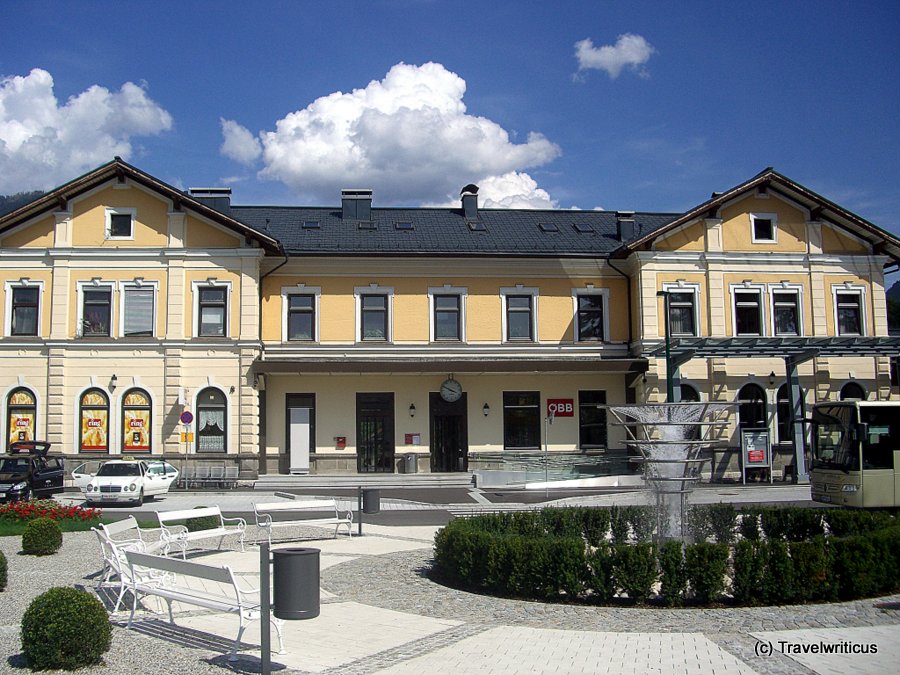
451 390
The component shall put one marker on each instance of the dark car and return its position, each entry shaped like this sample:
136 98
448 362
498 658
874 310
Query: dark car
28 472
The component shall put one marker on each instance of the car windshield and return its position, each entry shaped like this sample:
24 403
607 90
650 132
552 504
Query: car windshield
14 466
119 470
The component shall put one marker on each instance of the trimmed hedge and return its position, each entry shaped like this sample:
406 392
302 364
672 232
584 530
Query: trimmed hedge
789 555
42 536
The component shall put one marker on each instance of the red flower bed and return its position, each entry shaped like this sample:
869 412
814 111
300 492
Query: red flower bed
46 508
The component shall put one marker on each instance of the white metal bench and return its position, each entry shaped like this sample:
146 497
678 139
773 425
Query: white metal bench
209 586
176 534
114 561
267 523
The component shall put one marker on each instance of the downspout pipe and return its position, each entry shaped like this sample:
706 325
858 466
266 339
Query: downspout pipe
630 309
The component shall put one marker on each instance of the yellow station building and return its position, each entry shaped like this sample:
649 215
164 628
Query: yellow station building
356 339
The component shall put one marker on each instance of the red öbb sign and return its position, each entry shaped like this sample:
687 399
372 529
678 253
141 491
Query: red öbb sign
561 407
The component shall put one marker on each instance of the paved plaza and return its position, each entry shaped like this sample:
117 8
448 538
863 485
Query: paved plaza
381 614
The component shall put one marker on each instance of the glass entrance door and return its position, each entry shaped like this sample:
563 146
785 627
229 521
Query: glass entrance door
375 433
449 434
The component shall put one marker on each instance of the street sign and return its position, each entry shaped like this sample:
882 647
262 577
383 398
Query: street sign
187 417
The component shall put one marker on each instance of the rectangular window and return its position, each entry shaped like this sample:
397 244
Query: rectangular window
521 420
591 419
25 310
747 314
786 311
682 313
212 310
120 223
519 317
447 317
763 227
590 317
374 317
96 312
301 317
138 311
849 313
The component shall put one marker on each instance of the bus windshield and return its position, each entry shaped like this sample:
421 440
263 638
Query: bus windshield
833 446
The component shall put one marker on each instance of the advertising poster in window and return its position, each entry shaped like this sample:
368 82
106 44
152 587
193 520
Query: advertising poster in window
94 425
21 426
137 431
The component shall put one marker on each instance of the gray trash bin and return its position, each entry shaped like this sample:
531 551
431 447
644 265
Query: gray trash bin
410 463
295 583
371 501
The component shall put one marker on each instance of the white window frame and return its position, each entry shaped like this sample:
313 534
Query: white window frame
211 283
520 289
374 289
132 285
848 287
683 287
760 290
784 287
300 289
764 216
95 284
459 291
119 211
24 282
604 294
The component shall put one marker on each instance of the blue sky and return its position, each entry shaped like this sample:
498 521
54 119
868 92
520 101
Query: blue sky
287 102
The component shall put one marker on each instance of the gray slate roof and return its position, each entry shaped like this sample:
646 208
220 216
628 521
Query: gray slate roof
444 231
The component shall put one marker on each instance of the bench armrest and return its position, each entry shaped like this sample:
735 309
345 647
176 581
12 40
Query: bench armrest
170 531
348 516
239 521
263 519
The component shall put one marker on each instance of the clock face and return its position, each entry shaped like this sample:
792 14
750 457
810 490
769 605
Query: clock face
451 390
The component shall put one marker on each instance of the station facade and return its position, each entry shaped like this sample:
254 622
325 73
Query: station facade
357 339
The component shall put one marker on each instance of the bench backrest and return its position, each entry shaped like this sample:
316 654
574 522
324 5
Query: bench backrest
119 526
184 514
297 505
218 573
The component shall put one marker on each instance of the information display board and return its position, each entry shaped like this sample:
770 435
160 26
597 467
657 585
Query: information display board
756 451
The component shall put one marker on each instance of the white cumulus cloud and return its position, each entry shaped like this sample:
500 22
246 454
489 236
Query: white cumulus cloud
630 50
44 144
407 136
239 143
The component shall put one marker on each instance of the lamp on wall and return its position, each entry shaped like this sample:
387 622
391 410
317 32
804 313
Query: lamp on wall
486 409
772 379
412 409
113 381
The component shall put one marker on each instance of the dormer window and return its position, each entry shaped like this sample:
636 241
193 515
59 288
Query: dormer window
763 228
120 223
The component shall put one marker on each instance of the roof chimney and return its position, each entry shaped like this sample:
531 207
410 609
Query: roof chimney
626 228
218 198
469 196
356 204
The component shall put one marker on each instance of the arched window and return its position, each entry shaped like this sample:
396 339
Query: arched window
752 408
94 422
853 391
137 429
689 394
212 411
21 418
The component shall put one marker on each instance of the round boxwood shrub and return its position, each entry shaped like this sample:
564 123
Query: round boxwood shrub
2 571
42 536
65 628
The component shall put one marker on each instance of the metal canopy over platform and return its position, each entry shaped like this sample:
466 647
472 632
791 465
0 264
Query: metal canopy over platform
798 349
794 351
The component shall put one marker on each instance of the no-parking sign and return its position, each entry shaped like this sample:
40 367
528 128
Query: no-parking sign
187 417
